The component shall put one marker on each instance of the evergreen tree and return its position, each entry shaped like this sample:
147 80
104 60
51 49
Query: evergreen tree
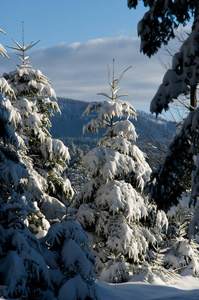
32 268
168 182
55 267
111 207
22 267
157 28
183 77
76 172
66 251
44 157
182 253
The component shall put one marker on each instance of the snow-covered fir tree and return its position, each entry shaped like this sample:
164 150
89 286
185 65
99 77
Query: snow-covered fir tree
168 182
44 157
157 28
180 165
58 266
71 266
182 252
76 172
22 267
112 209
183 77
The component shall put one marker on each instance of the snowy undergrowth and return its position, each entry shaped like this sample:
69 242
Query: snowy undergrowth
137 288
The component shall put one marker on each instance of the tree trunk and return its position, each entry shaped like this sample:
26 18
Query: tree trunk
196 11
193 97
193 92
111 127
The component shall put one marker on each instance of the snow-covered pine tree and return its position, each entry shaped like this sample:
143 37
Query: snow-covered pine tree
37 222
181 160
44 157
168 182
76 173
28 270
66 251
23 270
182 253
183 77
111 207
32 268
22 267
157 28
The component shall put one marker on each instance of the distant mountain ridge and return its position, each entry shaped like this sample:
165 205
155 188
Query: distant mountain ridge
70 123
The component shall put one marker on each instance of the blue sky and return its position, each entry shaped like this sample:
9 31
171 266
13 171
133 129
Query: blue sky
55 22
78 40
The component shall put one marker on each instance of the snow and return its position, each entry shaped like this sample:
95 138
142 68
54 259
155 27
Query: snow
106 111
52 207
187 287
73 255
5 87
13 269
108 162
182 76
77 289
3 52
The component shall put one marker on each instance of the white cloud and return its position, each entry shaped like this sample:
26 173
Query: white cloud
79 70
